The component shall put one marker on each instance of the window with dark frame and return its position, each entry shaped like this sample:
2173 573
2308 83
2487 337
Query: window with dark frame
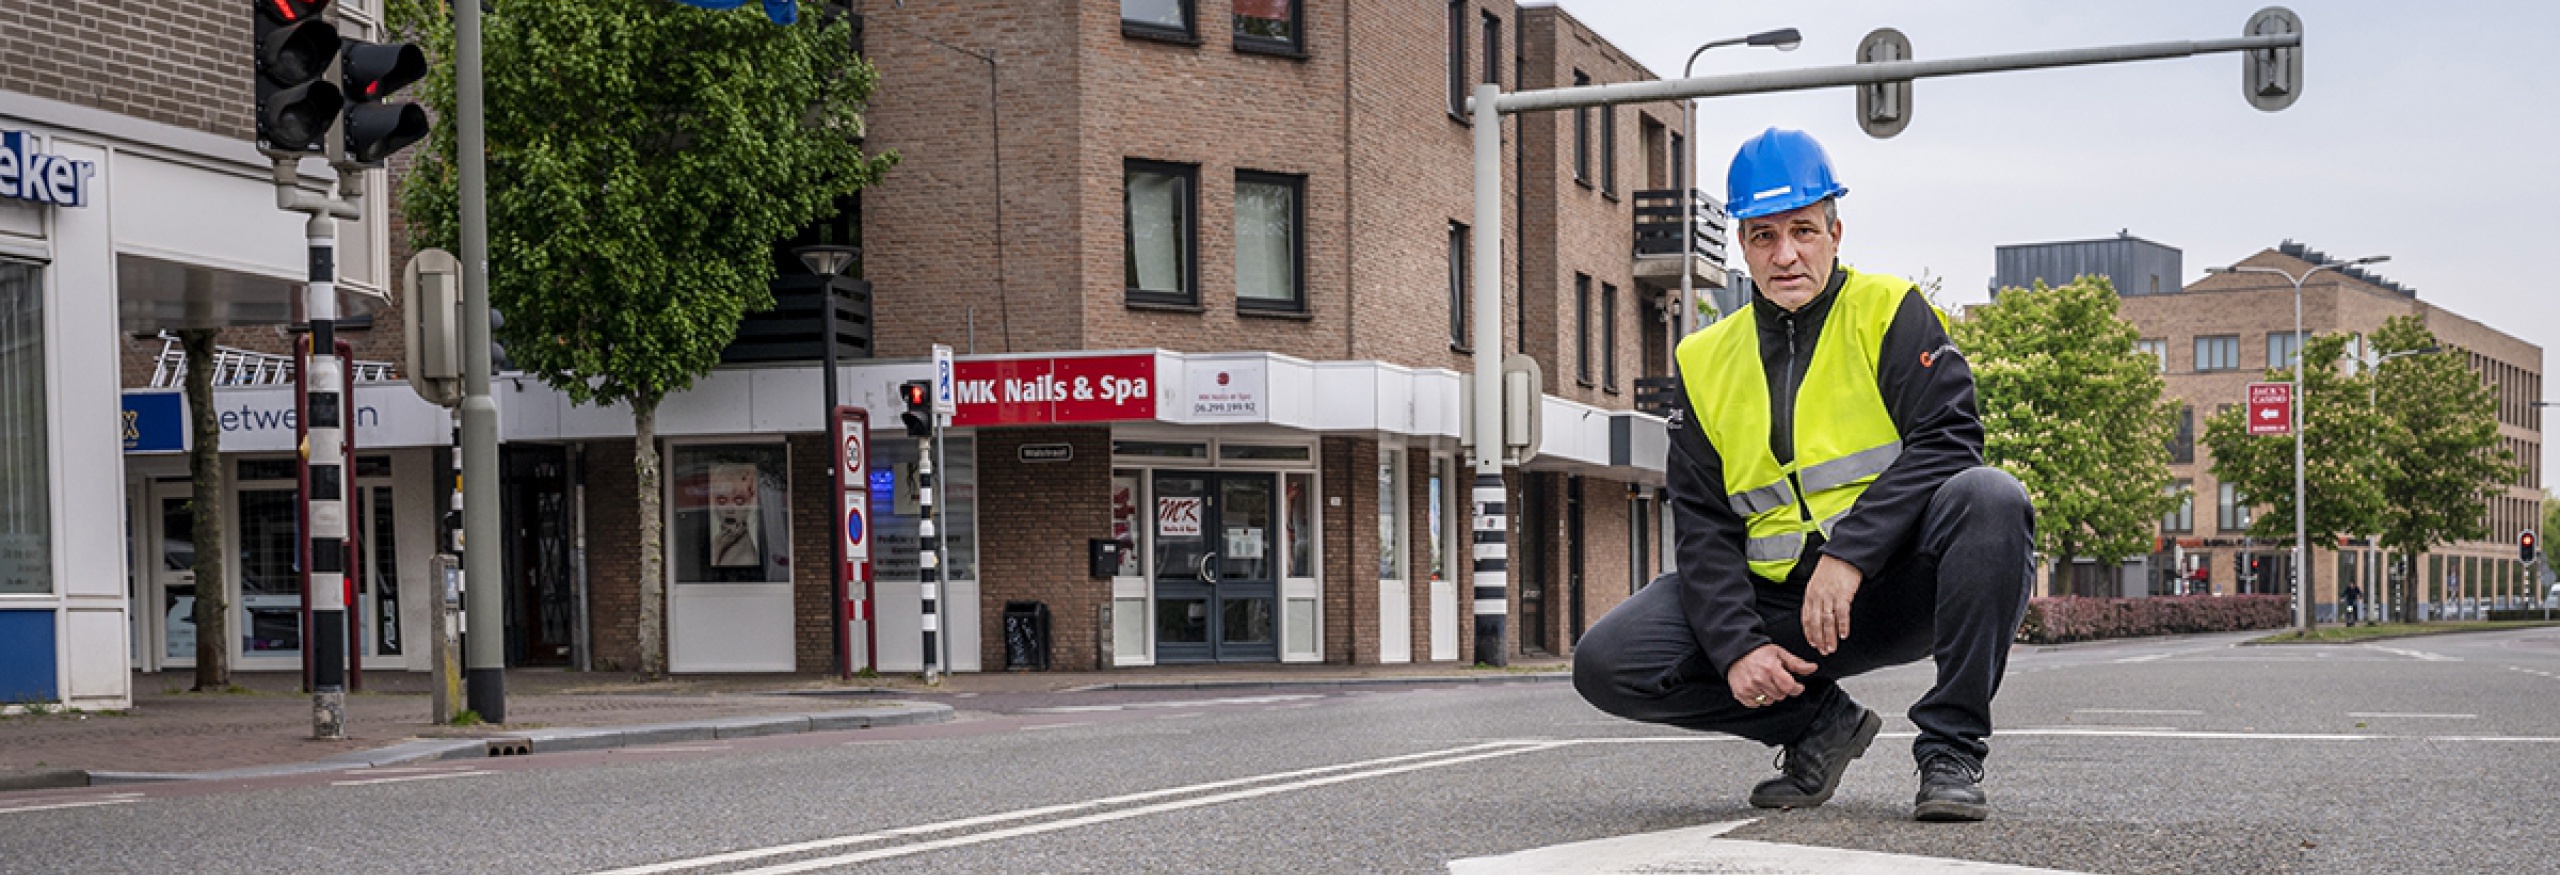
1458 59
1458 286
1581 135
1582 328
1159 239
1271 241
1492 49
1609 337
2219 352
1271 25
1609 149
1163 19
2182 442
1680 165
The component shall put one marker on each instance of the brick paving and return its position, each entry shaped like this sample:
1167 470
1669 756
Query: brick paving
268 720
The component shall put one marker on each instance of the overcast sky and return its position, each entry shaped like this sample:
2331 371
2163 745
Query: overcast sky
2426 131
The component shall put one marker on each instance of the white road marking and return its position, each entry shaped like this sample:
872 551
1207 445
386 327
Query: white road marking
1188 703
409 770
1040 726
1126 813
2416 654
2155 657
111 799
1043 811
1704 849
2164 712
671 749
2107 726
401 778
2413 716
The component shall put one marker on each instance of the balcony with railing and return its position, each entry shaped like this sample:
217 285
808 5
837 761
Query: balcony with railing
1659 227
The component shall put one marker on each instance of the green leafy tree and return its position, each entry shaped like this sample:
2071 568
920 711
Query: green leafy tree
2076 414
644 158
2341 467
2441 443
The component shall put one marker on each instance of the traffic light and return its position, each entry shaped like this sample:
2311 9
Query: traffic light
498 361
2525 545
292 48
918 397
368 74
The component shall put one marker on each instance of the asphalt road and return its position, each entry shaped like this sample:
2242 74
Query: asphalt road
2428 755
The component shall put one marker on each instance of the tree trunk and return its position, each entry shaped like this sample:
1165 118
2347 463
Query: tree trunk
653 580
213 650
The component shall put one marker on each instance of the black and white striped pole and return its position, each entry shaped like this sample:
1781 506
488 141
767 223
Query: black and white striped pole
917 396
324 546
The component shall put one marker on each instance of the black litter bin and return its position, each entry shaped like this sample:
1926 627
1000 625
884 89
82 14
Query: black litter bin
1026 636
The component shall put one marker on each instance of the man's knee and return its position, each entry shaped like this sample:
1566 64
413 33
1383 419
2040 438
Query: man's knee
1985 489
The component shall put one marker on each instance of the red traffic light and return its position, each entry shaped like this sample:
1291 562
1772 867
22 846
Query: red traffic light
915 394
290 11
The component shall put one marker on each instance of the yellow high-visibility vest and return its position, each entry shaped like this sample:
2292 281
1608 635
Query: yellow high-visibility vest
1844 437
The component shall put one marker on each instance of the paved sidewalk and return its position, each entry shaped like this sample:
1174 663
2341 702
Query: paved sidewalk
265 724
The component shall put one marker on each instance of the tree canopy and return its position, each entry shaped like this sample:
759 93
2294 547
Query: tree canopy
2076 414
644 158
2342 469
2442 442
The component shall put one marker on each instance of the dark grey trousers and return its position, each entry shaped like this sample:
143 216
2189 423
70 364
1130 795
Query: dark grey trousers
1956 595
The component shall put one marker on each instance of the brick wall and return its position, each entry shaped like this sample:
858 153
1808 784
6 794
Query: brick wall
179 62
1033 522
1351 551
813 508
613 555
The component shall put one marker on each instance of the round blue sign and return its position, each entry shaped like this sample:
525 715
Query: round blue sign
853 528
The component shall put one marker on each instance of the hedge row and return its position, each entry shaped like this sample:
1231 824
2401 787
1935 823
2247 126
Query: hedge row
2072 618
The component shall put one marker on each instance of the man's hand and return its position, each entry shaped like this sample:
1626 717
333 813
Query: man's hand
1766 676
1826 603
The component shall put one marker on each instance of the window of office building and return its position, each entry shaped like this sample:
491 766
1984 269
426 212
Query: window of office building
1492 49
1269 245
1458 58
2234 514
1268 24
2283 348
1609 149
2159 350
1161 18
1458 300
1608 337
2182 441
1581 134
26 516
1157 246
2218 352
2183 517
1582 328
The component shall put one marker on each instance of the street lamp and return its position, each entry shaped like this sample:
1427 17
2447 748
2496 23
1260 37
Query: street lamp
2301 549
828 262
2406 605
1784 39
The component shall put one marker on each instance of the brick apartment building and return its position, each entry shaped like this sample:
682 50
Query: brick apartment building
2219 334
1256 209
1259 209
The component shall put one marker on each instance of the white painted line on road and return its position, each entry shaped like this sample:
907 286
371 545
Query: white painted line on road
1126 813
410 770
1040 726
2416 654
401 778
2163 712
1704 849
1043 811
2155 657
109 799
2106 727
708 748
1187 703
1183 716
2413 716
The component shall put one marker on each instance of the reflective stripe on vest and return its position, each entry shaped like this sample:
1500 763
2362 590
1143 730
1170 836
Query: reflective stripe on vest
1844 438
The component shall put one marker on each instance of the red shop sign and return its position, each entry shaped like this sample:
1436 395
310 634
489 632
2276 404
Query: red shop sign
1109 388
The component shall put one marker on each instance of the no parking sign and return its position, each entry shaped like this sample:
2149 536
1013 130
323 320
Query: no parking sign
853 432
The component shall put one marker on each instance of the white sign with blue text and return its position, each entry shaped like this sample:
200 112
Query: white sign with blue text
27 174
262 420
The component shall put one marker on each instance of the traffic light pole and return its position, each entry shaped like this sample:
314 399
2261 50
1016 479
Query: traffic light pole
928 555
484 655
323 456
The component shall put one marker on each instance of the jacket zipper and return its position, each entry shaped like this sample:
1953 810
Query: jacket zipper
1787 420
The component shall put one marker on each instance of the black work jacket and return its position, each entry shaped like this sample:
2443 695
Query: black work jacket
1928 391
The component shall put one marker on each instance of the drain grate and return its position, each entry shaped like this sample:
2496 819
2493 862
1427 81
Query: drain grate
510 747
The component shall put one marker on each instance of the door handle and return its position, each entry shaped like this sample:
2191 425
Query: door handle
1208 568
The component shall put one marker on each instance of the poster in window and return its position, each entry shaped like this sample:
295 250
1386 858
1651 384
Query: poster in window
737 538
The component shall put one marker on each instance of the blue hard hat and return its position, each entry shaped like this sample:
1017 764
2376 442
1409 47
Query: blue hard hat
1777 171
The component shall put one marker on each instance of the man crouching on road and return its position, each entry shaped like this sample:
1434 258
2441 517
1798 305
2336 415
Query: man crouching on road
1834 514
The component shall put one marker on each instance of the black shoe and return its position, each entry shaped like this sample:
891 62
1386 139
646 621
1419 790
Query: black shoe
1950 789
1810 769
